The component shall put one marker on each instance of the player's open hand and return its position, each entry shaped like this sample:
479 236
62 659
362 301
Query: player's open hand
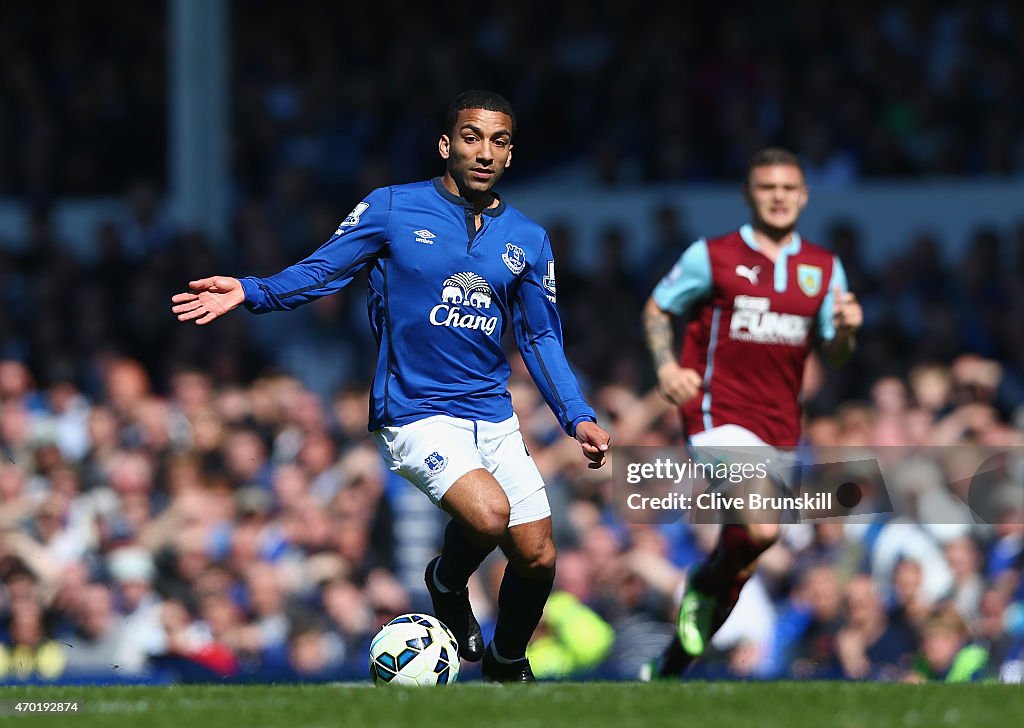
208 299
847 315
594 441
677 384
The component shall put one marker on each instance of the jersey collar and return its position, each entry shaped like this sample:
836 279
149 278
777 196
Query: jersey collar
747 233
463 202
781 277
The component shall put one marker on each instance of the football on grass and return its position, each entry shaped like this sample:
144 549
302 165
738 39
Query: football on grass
414 649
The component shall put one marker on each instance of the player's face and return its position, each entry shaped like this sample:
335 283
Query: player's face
478 150
776 194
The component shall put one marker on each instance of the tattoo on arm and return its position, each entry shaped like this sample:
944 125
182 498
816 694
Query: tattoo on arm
658 328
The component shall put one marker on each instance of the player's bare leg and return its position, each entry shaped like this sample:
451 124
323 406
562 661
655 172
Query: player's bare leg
714 587
480 512
477 502
524 592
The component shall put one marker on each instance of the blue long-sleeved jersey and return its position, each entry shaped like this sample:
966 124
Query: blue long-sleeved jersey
441 294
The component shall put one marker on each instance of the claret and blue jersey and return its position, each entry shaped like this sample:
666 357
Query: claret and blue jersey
441 294
752 323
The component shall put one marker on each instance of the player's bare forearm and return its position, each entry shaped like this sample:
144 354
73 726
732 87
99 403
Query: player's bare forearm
847 317
658 331
839 350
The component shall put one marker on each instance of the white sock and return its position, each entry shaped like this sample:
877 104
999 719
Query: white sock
437 582
504 660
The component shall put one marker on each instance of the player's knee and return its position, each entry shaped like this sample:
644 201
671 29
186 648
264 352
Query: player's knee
763 535
539 563
492 523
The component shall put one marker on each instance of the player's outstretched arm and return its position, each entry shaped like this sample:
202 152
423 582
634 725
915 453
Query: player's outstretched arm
595 442
208 299
676 384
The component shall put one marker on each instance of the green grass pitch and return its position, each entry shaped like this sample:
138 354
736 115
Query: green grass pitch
689 705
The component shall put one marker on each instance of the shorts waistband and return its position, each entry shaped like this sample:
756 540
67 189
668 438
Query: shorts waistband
483 428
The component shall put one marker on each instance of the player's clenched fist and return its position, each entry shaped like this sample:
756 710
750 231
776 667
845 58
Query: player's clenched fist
208 299
676 384
595 442
847 314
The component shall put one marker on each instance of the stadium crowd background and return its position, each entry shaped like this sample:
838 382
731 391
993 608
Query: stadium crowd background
186 504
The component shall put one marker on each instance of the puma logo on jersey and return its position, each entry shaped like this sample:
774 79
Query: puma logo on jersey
750 274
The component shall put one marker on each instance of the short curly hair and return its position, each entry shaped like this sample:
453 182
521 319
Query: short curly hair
478 99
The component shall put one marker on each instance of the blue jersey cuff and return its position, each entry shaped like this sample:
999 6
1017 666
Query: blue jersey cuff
581 418
252 293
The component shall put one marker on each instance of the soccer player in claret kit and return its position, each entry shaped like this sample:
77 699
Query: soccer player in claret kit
451 267
756 301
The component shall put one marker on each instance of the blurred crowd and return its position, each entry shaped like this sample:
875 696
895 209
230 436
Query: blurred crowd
337 98
183 503
100 64
65 316
219 531
205 503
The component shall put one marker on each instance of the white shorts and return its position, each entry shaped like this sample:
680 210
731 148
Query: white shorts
725 436
736 444
434 452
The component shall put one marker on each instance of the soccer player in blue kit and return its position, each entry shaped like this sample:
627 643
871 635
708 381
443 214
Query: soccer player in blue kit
451 266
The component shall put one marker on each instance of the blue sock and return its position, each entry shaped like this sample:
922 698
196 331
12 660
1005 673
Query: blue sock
520 606
460 557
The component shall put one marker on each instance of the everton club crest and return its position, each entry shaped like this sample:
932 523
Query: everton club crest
514 258
435 462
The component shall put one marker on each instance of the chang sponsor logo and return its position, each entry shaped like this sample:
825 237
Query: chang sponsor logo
461 294
754 321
